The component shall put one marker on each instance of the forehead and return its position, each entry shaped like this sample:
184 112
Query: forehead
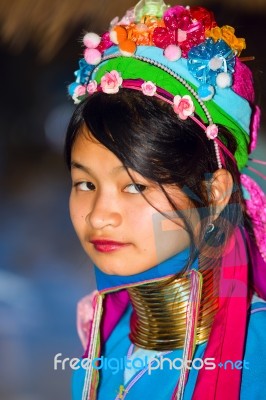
89 152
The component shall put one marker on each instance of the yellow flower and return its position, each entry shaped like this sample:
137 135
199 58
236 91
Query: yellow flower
240 45
214 33
227 33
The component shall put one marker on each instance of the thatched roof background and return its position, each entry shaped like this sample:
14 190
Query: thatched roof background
49 23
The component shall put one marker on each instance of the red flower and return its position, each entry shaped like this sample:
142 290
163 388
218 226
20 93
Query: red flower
106 42
205 16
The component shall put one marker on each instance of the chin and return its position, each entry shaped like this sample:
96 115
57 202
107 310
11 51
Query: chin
112 270
114 263
109 266
120 269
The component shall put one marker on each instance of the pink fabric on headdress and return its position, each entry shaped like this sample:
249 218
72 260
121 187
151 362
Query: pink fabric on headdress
243 83
254 128
256 209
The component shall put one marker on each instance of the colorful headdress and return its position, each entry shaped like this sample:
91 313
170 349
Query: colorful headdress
180 55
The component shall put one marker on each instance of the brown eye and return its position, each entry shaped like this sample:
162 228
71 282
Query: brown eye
85 186
135 188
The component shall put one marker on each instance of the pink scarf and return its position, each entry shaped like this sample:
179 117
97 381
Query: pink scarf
227 338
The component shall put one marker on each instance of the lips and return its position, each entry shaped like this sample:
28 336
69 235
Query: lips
106 246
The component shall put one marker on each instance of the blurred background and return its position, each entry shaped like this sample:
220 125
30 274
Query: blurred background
43 270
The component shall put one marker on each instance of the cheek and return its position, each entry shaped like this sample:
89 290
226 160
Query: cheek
170 236
143 221
140 226
77 213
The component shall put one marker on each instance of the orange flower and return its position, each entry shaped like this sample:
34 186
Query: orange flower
142 33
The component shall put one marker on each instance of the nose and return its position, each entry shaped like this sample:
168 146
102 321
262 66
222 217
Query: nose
104 212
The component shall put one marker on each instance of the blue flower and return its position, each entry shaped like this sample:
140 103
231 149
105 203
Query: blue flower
209 59
82 75
71 88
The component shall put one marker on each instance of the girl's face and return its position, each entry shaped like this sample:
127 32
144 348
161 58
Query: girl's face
119 230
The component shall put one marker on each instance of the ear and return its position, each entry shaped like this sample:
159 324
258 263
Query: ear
221 190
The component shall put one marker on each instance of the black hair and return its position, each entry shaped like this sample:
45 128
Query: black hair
148 137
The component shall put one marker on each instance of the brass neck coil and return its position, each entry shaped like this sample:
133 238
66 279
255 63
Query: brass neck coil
159 321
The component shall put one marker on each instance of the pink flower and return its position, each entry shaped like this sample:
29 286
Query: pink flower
212 131
79 92
148 88
92 87
111 82
183 106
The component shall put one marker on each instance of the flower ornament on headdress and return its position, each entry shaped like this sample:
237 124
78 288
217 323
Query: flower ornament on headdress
183 106
111 82
129 37
183 28
92 87
227 34
148 88
150 7
83 72
212 131
213 65
79 92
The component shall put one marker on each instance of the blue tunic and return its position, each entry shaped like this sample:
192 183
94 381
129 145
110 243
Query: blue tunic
153 375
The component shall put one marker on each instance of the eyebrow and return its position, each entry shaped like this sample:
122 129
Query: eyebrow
89 171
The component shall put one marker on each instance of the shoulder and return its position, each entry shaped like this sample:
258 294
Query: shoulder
253 376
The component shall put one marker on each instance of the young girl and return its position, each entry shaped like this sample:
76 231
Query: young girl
177 234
